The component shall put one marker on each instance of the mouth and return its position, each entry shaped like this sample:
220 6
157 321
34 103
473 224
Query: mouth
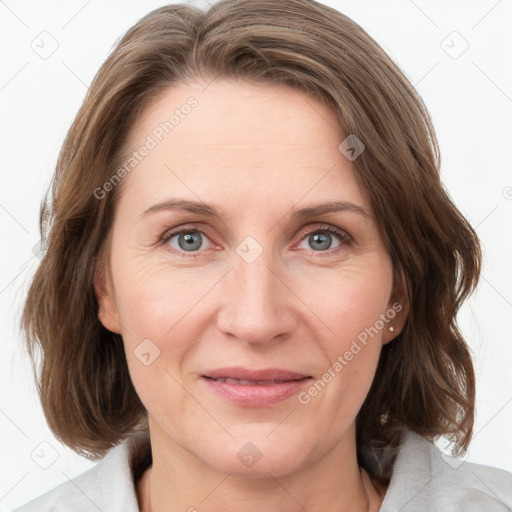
255 388
267 375
245 382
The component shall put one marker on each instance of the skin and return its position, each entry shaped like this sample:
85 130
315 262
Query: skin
256 153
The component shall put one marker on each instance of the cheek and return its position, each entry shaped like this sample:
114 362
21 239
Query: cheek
154 298
351 306
154 318
160 312
348 301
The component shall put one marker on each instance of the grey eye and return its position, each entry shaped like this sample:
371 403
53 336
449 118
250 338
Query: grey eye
321 240
191 241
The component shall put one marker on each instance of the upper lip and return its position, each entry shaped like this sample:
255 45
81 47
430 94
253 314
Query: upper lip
255 375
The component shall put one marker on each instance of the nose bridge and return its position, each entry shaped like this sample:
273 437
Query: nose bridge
257 305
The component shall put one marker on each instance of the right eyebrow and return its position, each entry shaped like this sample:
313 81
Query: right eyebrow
184 205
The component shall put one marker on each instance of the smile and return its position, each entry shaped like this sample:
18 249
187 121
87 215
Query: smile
254 393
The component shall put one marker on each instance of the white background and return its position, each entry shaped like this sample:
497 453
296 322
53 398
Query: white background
469 97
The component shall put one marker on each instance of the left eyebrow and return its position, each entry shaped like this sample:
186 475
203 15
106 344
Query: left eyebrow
330 207
301 214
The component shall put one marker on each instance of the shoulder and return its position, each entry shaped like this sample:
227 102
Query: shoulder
107 486
425 479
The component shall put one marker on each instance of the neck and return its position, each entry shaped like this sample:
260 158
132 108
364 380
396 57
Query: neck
178 481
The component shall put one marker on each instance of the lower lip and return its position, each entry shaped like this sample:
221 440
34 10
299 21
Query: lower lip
257 395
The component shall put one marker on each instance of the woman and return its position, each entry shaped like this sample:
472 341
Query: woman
190 325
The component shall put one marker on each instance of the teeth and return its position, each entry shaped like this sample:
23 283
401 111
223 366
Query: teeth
244 382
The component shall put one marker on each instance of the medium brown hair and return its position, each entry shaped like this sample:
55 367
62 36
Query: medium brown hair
424 381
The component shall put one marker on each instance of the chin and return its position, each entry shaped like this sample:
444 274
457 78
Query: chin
252 453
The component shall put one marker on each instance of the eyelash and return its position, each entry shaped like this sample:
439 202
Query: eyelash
344 237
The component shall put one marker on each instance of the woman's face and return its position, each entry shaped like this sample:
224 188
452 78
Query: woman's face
264 277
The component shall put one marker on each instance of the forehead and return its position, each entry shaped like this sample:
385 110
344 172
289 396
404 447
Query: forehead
231 138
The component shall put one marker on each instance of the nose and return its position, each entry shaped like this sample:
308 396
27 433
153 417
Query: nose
259 307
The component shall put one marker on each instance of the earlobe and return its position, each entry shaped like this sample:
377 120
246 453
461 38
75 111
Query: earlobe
389 334
398 310
107 308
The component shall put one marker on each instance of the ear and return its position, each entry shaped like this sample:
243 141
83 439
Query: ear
398 308
107 313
